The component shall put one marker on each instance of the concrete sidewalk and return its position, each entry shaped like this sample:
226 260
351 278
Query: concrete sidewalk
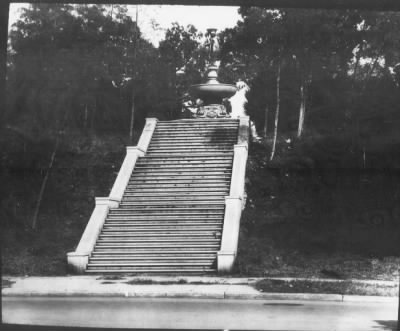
165 287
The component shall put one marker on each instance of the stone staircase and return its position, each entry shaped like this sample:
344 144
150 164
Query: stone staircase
171 215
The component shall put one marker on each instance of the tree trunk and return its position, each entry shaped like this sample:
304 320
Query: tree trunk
44 183
136 43
266 121
302 110
93 113
132 122
278 101
4 10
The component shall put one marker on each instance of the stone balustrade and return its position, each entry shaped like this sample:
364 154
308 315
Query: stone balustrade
234 203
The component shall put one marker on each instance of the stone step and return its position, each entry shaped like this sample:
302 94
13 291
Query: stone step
151 204
191 142
178 180
168 197
136 236
213 141
196 129
165 213
184 208
211 128
162 232
169 210
188 139
178 185
182 202
156 265
178 168
154 253
191 149
180 154
166 222
159 228
188 153
151 258
164 195
200 121
120 230
190 133
190 146
201 138
159 245
189 136
165 271
210 162
199 124
156 240
163 217
160 198
192 130
175 191
215 148
183 169
186 176
190 157
146 249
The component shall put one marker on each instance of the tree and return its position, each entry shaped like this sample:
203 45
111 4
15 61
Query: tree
81 54
310 43
182 51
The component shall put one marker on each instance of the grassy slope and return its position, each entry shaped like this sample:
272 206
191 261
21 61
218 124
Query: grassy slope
335 222
324 223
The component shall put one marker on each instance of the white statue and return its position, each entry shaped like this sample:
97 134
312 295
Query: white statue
238 106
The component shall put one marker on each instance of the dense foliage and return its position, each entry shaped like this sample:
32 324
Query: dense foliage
337 69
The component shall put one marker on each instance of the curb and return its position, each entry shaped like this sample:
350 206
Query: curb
266 296
228 294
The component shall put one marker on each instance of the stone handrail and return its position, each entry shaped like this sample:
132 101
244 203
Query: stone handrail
78 260
234 203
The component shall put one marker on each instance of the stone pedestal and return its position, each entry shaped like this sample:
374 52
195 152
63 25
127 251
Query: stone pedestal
212 111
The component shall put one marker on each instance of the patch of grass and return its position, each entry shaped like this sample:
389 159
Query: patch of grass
147 281
5 283
322 222
113 277
140 282
345 287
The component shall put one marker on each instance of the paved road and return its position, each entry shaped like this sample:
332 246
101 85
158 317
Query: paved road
199 313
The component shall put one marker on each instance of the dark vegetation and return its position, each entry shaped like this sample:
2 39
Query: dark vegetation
319 222
324 202
346 287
